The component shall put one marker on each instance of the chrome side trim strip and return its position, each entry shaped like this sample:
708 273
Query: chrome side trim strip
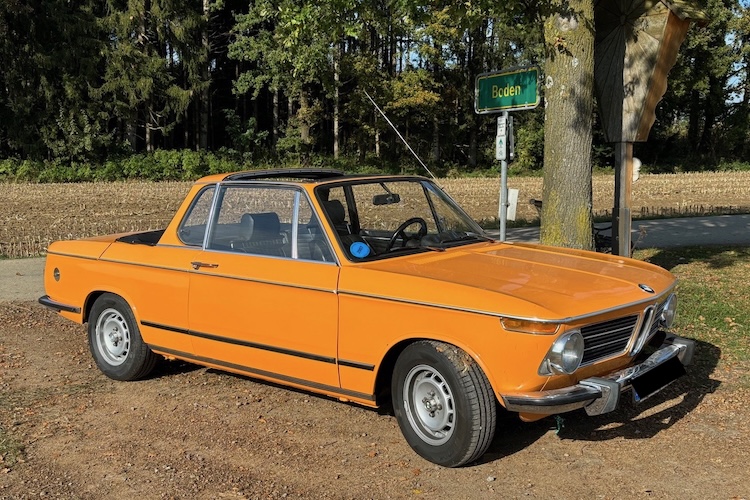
228 276
264 282
63 254
569 319
263 373
149 266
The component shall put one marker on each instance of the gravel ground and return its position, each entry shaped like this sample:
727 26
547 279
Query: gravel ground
66 431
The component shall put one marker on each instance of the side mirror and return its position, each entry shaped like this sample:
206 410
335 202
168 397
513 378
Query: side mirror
385 199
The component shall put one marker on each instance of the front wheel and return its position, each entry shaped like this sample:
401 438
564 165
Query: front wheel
115 340
444 403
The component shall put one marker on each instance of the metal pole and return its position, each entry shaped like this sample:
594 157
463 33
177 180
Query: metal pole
621 214
501 153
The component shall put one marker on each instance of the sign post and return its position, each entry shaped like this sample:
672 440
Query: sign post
501 154
501 92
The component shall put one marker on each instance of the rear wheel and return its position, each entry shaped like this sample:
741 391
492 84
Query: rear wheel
444 403
115 340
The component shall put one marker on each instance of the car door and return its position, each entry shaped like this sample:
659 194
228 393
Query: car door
262 296
156 279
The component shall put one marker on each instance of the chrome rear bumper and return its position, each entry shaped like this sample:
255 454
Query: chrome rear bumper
602 394
57 306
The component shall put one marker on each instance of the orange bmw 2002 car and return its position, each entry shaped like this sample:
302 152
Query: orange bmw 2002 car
378 290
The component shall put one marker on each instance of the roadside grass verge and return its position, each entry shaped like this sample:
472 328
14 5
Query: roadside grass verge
713 299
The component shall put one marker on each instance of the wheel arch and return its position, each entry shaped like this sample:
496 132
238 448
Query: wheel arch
94 295
384 374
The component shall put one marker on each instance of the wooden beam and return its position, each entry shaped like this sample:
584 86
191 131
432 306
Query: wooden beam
621 214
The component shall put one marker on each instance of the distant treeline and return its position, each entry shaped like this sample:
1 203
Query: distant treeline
116 89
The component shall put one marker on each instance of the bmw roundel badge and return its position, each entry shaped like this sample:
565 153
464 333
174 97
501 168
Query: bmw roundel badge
645 288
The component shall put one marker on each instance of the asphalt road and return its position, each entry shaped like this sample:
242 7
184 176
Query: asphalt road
21 279
665 233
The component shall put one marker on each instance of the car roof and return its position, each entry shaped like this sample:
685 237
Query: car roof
307 174
315 175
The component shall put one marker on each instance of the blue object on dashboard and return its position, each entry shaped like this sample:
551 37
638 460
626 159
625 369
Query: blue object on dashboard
359 250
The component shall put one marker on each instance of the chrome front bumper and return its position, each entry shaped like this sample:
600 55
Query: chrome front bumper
602 394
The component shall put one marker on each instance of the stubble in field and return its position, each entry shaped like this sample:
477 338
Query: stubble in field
34 215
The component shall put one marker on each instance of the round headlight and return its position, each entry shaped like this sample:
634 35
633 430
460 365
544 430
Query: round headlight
566 353
670 311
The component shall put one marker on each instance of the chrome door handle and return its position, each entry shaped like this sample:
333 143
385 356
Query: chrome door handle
197 265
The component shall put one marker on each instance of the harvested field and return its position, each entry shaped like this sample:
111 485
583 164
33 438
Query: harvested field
33 215
666 195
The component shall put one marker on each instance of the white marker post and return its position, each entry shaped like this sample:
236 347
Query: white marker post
501 154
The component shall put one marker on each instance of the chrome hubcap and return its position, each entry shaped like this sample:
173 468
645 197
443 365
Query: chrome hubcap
112 337
429 404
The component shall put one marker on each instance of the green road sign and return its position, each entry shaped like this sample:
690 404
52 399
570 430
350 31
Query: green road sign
507 90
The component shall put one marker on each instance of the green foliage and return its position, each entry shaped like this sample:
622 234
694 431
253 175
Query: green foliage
161 165
244 136
83 82
529 142
700 120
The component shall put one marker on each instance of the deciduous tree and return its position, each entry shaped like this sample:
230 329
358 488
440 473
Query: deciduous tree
569 106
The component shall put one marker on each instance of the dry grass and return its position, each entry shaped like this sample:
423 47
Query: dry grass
33 215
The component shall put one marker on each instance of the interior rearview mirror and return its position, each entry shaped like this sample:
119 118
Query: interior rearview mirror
385 199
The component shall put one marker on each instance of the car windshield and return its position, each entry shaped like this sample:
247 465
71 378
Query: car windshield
381 218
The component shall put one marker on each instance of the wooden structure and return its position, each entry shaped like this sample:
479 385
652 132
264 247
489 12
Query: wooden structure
636 46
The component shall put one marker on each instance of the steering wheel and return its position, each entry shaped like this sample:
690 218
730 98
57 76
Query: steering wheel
400 231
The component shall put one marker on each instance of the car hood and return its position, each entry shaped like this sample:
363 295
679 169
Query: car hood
511 279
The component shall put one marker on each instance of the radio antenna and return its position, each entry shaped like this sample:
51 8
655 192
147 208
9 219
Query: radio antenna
400 136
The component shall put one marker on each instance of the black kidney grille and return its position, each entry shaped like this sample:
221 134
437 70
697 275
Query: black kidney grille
604 340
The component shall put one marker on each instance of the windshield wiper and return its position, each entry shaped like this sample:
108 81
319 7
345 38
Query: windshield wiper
480 237
418 247
467 236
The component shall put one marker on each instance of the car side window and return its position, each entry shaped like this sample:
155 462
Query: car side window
193 227
267 220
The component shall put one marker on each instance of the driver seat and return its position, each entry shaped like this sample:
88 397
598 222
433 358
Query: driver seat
337 216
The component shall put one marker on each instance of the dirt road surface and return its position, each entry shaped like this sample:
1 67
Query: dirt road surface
67 431
190 432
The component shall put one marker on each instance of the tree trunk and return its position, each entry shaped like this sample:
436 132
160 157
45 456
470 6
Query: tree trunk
569 97
743 149
377 137
473 141
131 130
336 103
694 120
438 75
303 118
275 131
205 79
149 136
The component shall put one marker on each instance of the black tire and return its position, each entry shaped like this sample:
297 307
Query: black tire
115 340
443 402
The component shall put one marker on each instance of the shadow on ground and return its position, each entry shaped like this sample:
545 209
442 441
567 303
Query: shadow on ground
717 257
630 421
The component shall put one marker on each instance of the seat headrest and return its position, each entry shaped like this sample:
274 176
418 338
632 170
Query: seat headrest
335 210
247 225
266 225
